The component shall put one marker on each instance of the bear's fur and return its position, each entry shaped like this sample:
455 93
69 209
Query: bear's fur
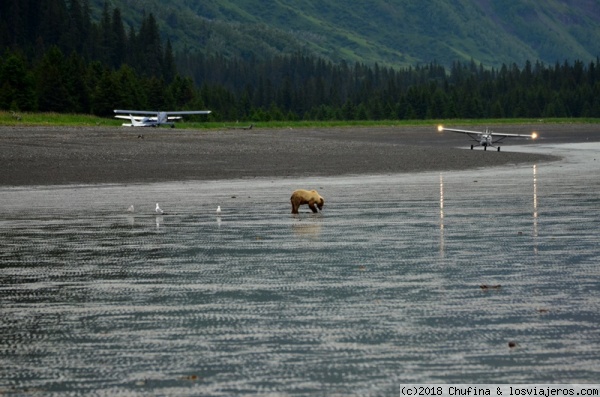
310 197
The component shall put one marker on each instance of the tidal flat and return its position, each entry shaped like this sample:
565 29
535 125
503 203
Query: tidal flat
483 275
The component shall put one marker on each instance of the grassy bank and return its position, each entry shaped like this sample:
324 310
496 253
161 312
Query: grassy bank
8 118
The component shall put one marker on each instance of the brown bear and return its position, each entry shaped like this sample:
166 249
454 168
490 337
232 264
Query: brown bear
310 197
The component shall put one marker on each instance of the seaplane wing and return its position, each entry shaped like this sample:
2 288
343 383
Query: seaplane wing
140 118
136 118
487 138
486 132
151 118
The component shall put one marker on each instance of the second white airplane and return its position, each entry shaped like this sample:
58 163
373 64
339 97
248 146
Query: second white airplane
153 118
487 138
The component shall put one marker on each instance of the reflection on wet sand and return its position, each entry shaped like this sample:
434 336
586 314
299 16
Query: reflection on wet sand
310 227
535 210
441 216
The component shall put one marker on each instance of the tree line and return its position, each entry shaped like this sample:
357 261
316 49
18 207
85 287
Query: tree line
54 58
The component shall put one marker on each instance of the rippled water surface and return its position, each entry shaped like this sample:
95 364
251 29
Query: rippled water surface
381 288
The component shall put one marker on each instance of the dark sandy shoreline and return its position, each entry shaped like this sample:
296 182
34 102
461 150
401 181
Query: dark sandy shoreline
89 155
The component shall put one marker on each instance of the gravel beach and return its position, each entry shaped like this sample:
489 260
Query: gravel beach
90 155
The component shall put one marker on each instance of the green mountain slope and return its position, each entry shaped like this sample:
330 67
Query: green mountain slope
390 32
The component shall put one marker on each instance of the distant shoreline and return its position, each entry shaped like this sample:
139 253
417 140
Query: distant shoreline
93 155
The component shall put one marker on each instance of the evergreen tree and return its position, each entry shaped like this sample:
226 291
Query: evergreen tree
51 82
88 34
183 91
158 96
17 85
169 68
76 83
74 37
103 47
105 94
131 93
148 49
118 41
53 23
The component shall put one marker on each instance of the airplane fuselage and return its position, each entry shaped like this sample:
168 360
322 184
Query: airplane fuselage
160 118
486 140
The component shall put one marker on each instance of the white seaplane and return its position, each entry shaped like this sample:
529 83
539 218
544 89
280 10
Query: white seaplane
148 118
487 138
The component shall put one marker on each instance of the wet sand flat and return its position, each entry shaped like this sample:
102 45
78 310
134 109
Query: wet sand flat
385 287
89 155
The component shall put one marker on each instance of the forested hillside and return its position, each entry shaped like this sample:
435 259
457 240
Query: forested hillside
55 57
396 33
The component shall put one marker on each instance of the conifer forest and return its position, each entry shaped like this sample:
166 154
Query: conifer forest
55 58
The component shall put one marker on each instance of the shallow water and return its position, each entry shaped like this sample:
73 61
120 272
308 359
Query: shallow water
382 288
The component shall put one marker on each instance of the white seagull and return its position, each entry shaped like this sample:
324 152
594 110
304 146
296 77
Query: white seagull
158 210
218 210
131 208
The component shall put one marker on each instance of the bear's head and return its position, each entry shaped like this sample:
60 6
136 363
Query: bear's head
321 203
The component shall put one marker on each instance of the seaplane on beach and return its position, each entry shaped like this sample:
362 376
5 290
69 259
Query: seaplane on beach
487 138
148 118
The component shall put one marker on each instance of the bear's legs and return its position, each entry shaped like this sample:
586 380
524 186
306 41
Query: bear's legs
294 207
311 205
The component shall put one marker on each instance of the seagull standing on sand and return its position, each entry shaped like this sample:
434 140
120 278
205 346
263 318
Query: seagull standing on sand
158 210
218 210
